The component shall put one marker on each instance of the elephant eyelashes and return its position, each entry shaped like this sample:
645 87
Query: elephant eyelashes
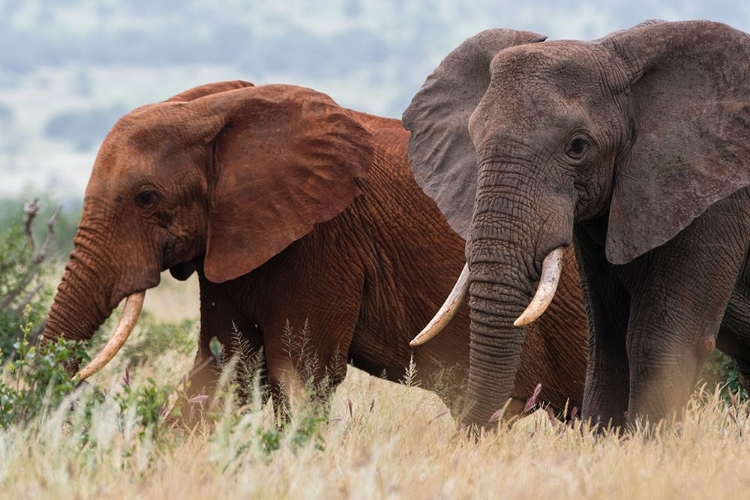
577 148
146 199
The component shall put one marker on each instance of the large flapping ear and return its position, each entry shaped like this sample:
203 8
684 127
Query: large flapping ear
440 149
689 105
286 158
208 89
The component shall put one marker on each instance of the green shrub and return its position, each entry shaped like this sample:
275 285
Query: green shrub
147 410
36 380
720 370
25 293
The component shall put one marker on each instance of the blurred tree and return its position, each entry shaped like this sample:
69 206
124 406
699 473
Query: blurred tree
11 213
24 292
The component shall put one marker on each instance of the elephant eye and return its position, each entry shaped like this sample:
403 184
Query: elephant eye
146 198
576 148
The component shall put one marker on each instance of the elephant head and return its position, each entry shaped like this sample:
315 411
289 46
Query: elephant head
517 140
221 177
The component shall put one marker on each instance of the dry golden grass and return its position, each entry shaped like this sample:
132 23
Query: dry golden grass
382 441
400 446
173 300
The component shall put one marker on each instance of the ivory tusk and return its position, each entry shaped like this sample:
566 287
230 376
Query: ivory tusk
133 306
447 311
545 292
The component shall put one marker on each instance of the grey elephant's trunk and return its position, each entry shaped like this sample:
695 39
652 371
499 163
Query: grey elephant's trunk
495 343
500 252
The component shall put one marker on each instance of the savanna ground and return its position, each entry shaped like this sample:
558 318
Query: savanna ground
113 439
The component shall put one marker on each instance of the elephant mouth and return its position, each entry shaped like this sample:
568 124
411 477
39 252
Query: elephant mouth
128 320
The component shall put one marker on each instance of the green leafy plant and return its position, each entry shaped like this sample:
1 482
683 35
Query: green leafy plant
147 410
36 380
24 291
720 370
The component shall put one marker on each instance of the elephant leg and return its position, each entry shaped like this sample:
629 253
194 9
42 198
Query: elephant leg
304 304
734 334
680 292
303 365
605 399
307 338
222 321
667 348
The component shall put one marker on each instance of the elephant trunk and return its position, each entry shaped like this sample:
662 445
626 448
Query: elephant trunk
504 256
82 302
495 345
91 288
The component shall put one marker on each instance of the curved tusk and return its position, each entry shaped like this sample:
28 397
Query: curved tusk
133 306
447 311
545 292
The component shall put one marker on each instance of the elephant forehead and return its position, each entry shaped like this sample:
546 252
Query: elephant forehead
145 150
120 162
549 57
538 74
541 93
505 121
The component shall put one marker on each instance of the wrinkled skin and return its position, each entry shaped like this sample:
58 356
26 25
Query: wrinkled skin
290 209
635 148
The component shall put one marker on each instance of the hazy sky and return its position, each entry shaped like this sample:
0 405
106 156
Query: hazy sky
409 37
587 20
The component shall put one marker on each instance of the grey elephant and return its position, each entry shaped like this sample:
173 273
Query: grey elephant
635 149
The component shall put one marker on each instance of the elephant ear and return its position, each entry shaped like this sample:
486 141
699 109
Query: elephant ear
440 149
208 89
689 103
285 159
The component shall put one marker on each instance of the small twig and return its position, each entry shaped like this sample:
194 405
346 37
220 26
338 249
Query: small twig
30 209
29 297
8 298
442 413
41 255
